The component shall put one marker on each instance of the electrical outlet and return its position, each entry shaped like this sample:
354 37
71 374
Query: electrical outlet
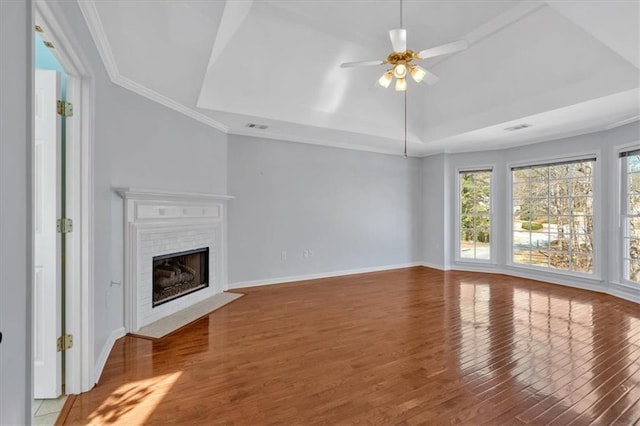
283 255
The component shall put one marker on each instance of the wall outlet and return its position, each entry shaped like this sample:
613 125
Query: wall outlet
283 255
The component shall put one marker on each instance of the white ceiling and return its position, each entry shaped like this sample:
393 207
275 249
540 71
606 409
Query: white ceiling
564 67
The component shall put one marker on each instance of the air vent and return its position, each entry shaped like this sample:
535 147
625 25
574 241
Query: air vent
518 127
256 126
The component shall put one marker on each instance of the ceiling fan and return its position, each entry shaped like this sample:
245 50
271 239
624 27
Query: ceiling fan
401 59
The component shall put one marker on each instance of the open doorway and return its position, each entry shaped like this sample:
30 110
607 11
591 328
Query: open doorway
60 194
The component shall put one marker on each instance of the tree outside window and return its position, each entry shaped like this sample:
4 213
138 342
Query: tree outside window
553 216
475 214
631 213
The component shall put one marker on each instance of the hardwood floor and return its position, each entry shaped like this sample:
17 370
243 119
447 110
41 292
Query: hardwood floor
408 346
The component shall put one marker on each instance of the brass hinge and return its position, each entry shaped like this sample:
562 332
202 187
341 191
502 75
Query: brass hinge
65 342
64 226
65 109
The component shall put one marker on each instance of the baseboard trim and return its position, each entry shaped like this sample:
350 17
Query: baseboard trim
435 266
106 350
283 280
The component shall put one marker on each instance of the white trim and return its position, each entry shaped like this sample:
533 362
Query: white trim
129 193
435 266
282 280
106 350
624 292
145 209
620 214
92 17
80 362
456 227
544 161
622 122
321 142
598 211
168 102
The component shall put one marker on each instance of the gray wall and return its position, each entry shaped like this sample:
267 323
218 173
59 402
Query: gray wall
138 143
15 158
352 209
433 247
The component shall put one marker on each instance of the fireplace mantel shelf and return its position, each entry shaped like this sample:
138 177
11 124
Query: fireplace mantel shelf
129 193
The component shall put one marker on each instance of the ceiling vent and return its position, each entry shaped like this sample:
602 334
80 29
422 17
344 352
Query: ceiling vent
256 126
518 127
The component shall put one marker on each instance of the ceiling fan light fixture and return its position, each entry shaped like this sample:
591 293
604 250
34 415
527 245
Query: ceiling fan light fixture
417 73
401 85
385 80
400 70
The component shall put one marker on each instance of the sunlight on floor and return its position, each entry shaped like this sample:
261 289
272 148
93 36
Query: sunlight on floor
136 399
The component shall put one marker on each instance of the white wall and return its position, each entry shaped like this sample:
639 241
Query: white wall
353 210
16 56
602 144
138 143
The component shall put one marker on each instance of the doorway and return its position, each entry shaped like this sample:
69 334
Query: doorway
74 201
48 274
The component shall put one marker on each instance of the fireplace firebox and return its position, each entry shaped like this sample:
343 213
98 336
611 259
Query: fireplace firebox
178 274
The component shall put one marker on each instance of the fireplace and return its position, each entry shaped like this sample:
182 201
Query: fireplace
178 274
183 223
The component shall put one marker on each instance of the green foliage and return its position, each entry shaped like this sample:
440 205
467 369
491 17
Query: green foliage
531 226
475 204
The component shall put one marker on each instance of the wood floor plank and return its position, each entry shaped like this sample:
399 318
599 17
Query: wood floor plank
410 346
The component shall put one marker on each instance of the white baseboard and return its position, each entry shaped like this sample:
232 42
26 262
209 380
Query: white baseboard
283 280
624 292
106 350
569 281
435 266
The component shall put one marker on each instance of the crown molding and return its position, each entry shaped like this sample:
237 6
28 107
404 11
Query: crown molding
96 29
311 141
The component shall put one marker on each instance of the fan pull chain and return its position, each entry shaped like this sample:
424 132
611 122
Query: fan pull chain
405 124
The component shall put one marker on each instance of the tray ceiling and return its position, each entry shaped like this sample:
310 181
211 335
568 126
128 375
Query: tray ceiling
566 68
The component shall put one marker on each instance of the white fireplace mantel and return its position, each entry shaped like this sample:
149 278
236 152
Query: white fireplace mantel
158 222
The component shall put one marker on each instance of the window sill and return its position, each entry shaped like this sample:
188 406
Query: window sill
586 278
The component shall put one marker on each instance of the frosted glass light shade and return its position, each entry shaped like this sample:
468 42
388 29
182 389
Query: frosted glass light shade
417 73
385 80
401 85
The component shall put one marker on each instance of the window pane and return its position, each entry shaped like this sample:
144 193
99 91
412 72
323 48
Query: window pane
553 216
475 214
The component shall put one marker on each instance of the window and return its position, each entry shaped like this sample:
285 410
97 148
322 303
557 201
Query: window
553 215
631 215
475 214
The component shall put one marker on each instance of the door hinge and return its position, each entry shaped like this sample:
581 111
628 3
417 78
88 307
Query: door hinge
65 109
64 226
65 342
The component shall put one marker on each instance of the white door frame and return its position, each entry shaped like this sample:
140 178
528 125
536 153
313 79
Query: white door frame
80 360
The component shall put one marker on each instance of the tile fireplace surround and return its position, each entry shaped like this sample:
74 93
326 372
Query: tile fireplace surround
161 222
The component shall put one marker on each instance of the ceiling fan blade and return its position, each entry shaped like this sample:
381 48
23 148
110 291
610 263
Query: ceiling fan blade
445 49
398 39
430 78
361 64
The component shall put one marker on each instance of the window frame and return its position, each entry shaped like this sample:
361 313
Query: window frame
598 223
458 212
622 209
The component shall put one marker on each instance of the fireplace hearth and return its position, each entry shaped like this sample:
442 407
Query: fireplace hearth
178 274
